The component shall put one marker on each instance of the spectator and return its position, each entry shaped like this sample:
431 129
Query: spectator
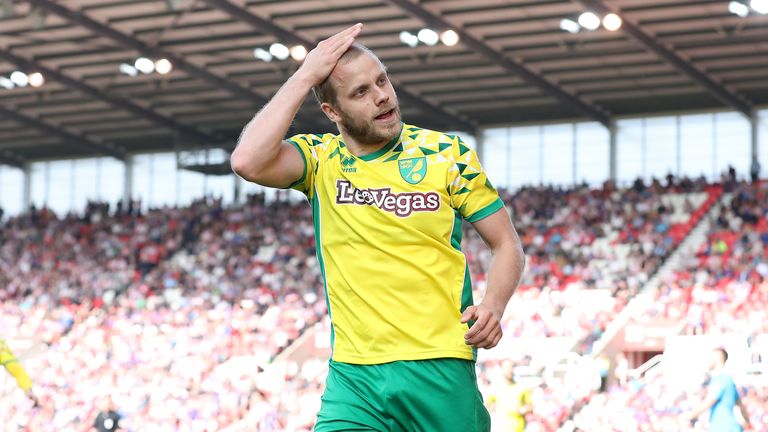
108 419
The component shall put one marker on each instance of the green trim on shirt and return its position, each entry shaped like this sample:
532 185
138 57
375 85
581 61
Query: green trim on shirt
306 166
383 150
486 211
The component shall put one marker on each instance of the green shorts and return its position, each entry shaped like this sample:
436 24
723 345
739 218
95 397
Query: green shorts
409 396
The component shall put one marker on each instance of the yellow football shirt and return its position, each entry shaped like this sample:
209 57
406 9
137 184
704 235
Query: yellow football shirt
508 405
11 364
388 235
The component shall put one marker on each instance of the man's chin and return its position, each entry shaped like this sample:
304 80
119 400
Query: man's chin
393 126
377 133
391 131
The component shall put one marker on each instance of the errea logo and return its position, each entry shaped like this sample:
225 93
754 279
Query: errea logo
347 163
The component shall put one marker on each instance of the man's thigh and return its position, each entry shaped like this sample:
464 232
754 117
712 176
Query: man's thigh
408 396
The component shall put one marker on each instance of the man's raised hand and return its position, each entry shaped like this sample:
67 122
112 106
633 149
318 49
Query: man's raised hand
323 58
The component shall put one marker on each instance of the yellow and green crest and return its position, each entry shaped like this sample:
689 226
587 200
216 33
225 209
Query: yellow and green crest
413 170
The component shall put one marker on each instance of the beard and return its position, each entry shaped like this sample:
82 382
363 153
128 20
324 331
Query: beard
366 131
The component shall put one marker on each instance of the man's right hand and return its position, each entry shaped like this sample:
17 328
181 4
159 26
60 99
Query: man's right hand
261 155
323 58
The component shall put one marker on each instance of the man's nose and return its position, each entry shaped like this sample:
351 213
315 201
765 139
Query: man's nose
381 97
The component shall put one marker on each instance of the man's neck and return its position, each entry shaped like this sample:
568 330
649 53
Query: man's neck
358 149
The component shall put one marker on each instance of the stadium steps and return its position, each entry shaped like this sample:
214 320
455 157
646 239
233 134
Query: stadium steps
692 242
645 298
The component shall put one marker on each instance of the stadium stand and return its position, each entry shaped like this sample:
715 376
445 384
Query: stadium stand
720 293
125 303
184 313
156 294
143 292
589 251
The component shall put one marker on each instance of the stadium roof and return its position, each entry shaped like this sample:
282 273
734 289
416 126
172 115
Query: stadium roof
513 64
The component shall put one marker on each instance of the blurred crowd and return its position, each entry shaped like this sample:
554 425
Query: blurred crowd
200 250
173 317
590 250
652 404
169 315
722 288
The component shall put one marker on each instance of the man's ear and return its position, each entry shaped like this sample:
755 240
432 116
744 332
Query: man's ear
330 112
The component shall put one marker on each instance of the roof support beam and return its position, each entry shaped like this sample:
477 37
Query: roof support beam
184 131
456 121
532 77
155 51
712 85
62 134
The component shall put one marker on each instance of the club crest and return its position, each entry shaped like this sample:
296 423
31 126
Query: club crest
413 170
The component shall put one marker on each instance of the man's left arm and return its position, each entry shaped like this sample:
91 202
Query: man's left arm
503 277
714 393
744 414
705 405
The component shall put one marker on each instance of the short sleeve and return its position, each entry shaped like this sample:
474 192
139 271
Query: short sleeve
470 190
305 145
716 389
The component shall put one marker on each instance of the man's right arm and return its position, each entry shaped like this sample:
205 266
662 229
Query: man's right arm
261 155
